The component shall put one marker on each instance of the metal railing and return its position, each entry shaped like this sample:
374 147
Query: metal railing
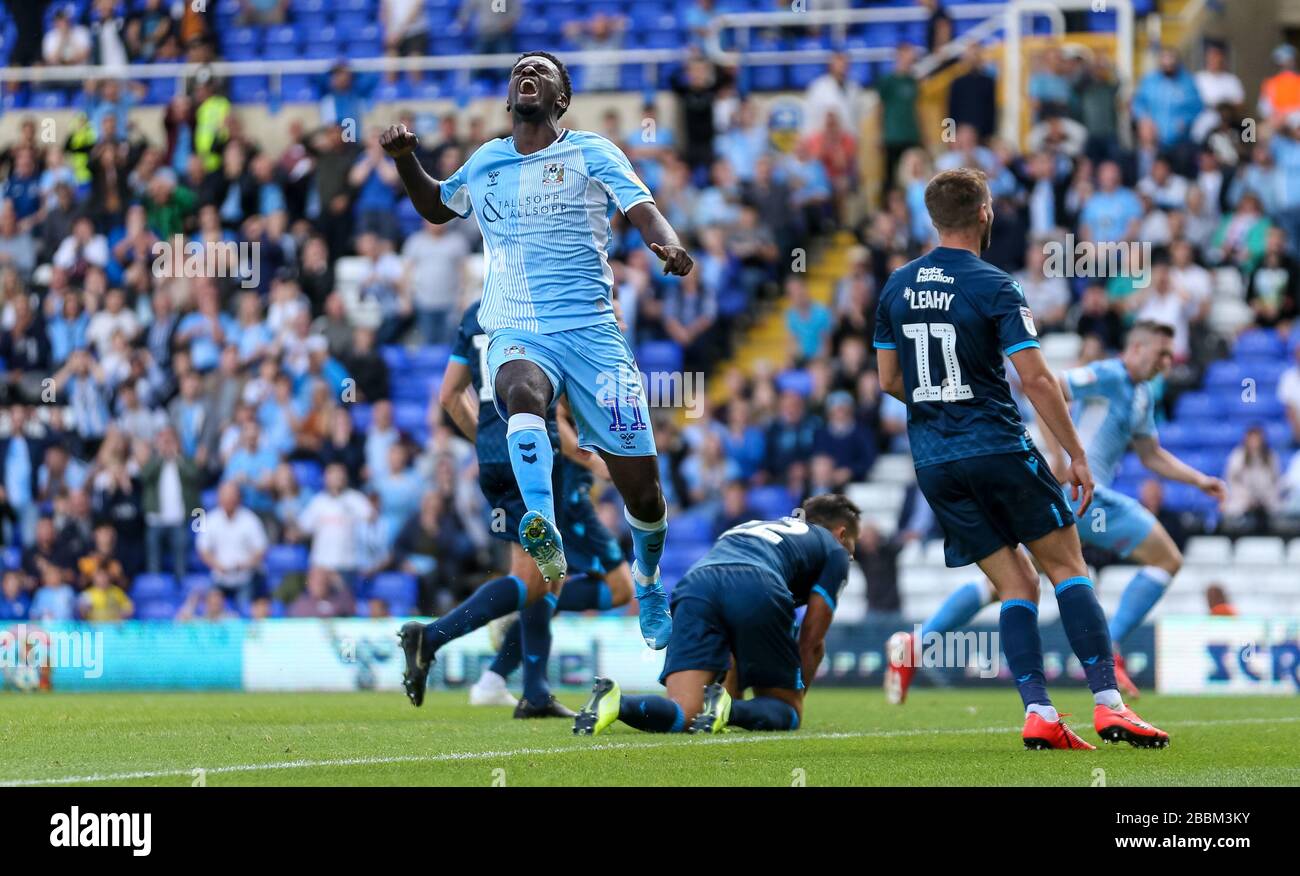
744 23
1013 86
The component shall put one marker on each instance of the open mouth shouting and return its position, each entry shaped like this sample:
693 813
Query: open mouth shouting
527 86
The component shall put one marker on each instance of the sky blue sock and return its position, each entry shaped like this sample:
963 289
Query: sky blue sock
647 542
495 599
1018 625
510 652
764 713
957 610
531 459
652 714
584 593
1140 596
1085 627
535 627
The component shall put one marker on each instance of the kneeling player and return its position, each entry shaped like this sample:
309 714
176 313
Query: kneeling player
739 602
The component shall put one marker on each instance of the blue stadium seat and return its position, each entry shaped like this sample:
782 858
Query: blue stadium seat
149 586
157 609
161 91
1200 406
1259 343
298 88
409 416
280 35
655 356
361 416
309 474
240 36
282 559
195 583
398 589
771 501
249 89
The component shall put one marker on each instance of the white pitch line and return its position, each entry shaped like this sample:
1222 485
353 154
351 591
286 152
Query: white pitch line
571 749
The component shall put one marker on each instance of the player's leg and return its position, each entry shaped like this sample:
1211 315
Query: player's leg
610 410
526 377
697 654
902 648
1161 561
602 580
420 642
770 708
758 615
1060 556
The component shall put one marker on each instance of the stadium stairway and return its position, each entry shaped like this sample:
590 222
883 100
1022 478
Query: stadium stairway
767 340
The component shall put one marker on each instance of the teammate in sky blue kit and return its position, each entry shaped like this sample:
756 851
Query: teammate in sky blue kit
602 578
1114 411
734 613
543 198
944 323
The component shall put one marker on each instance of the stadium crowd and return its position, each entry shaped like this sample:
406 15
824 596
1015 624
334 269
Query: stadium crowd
251 435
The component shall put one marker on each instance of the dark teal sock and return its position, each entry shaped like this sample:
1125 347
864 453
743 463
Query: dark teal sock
1023 646
1085 627
652 714
764 713
535 630
495 599
580 593
585 593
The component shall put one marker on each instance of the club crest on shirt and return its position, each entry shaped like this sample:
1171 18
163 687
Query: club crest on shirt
553 173
1027 317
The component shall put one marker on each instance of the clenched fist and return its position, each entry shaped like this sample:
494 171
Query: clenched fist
397 141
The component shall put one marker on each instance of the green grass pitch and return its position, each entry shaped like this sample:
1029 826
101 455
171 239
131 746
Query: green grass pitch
850 737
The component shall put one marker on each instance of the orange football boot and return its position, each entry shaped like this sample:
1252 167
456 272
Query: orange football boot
1040 734
1124 725
1126 685
900 668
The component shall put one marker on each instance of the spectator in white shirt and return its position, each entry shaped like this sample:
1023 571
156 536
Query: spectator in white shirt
232 543
66 42
114 318
1217 86
832 92
333 519
434 270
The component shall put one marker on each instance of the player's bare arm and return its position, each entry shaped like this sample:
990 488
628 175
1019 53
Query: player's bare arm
424 191
891 376
1044 392
812 636
661 238
458 400
1160 461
